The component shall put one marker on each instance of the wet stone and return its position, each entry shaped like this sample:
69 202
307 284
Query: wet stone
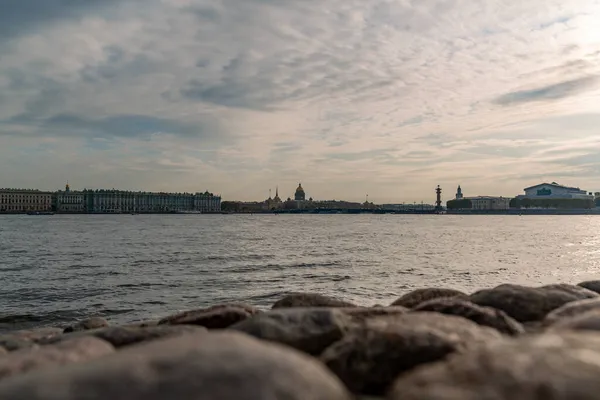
87 324
120 336
363 313
586 321
537 367
216 317
25 339
72 351
526 304
485 316
572 309
214 366
368 360
416 297
310 300
594 286
310 330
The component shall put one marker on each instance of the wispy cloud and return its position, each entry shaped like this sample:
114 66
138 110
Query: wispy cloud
387 96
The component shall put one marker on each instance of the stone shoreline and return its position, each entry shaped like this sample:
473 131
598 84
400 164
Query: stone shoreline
509 342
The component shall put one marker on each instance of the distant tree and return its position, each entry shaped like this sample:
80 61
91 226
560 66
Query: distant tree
459 204
514 203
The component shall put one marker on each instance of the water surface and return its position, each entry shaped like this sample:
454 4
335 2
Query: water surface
55 269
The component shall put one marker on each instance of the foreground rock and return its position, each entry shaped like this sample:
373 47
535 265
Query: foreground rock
310 300
418 296
67 352
27 338
587 321
87 324
120 336
572 309
363 313
216 317
485 316
215 366
368 358
526 304
541 367
310 330
594 286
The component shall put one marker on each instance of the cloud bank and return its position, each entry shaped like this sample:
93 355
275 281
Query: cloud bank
386 97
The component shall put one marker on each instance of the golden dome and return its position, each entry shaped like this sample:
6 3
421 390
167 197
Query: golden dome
299 189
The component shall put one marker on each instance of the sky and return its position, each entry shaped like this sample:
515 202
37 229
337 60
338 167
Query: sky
388 98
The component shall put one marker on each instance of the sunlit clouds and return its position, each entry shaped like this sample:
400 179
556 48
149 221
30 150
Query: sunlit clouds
386 97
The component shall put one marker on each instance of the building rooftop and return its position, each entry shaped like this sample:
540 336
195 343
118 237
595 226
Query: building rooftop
553 184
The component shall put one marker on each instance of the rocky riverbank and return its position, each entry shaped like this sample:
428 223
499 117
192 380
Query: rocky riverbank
508 342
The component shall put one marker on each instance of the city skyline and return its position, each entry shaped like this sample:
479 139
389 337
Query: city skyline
387 98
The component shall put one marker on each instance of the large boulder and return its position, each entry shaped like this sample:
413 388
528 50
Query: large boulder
25 339
120 336
87 324
594 286
362 313
572 309
369 357
586 321
310 330
215 317
67 352
215 366
526 304
538 367
485 316
418 296
310 300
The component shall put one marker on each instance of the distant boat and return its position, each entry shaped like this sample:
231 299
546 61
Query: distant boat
40 213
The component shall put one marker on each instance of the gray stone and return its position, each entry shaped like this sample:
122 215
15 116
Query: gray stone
214 366
216 317
526 304
87 324
25 339
363 313
368 360
67 352
538 367
572 309
310 300
142 324
3 351
12 342
418 296
485 316
469 333
594 286
311 330
120 336
587 321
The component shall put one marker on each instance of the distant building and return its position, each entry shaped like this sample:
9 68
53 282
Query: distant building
24 200
556 191
553 195
459 194
300 195
478 202
68 201
489 203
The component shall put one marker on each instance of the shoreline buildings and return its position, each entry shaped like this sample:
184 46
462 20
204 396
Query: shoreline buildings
106 201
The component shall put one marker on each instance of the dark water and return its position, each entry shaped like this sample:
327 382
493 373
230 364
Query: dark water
55 269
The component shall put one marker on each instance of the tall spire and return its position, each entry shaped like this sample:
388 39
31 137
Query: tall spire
277 191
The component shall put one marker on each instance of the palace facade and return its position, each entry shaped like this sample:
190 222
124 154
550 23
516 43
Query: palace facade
106 201
24 200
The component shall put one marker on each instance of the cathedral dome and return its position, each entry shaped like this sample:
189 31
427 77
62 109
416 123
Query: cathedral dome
300 195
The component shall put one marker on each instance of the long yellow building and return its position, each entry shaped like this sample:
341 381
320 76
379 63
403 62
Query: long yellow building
24 200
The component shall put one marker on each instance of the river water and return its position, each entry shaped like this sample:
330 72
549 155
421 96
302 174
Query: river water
56 269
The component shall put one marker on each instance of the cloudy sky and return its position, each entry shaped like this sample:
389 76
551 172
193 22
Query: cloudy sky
349 97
